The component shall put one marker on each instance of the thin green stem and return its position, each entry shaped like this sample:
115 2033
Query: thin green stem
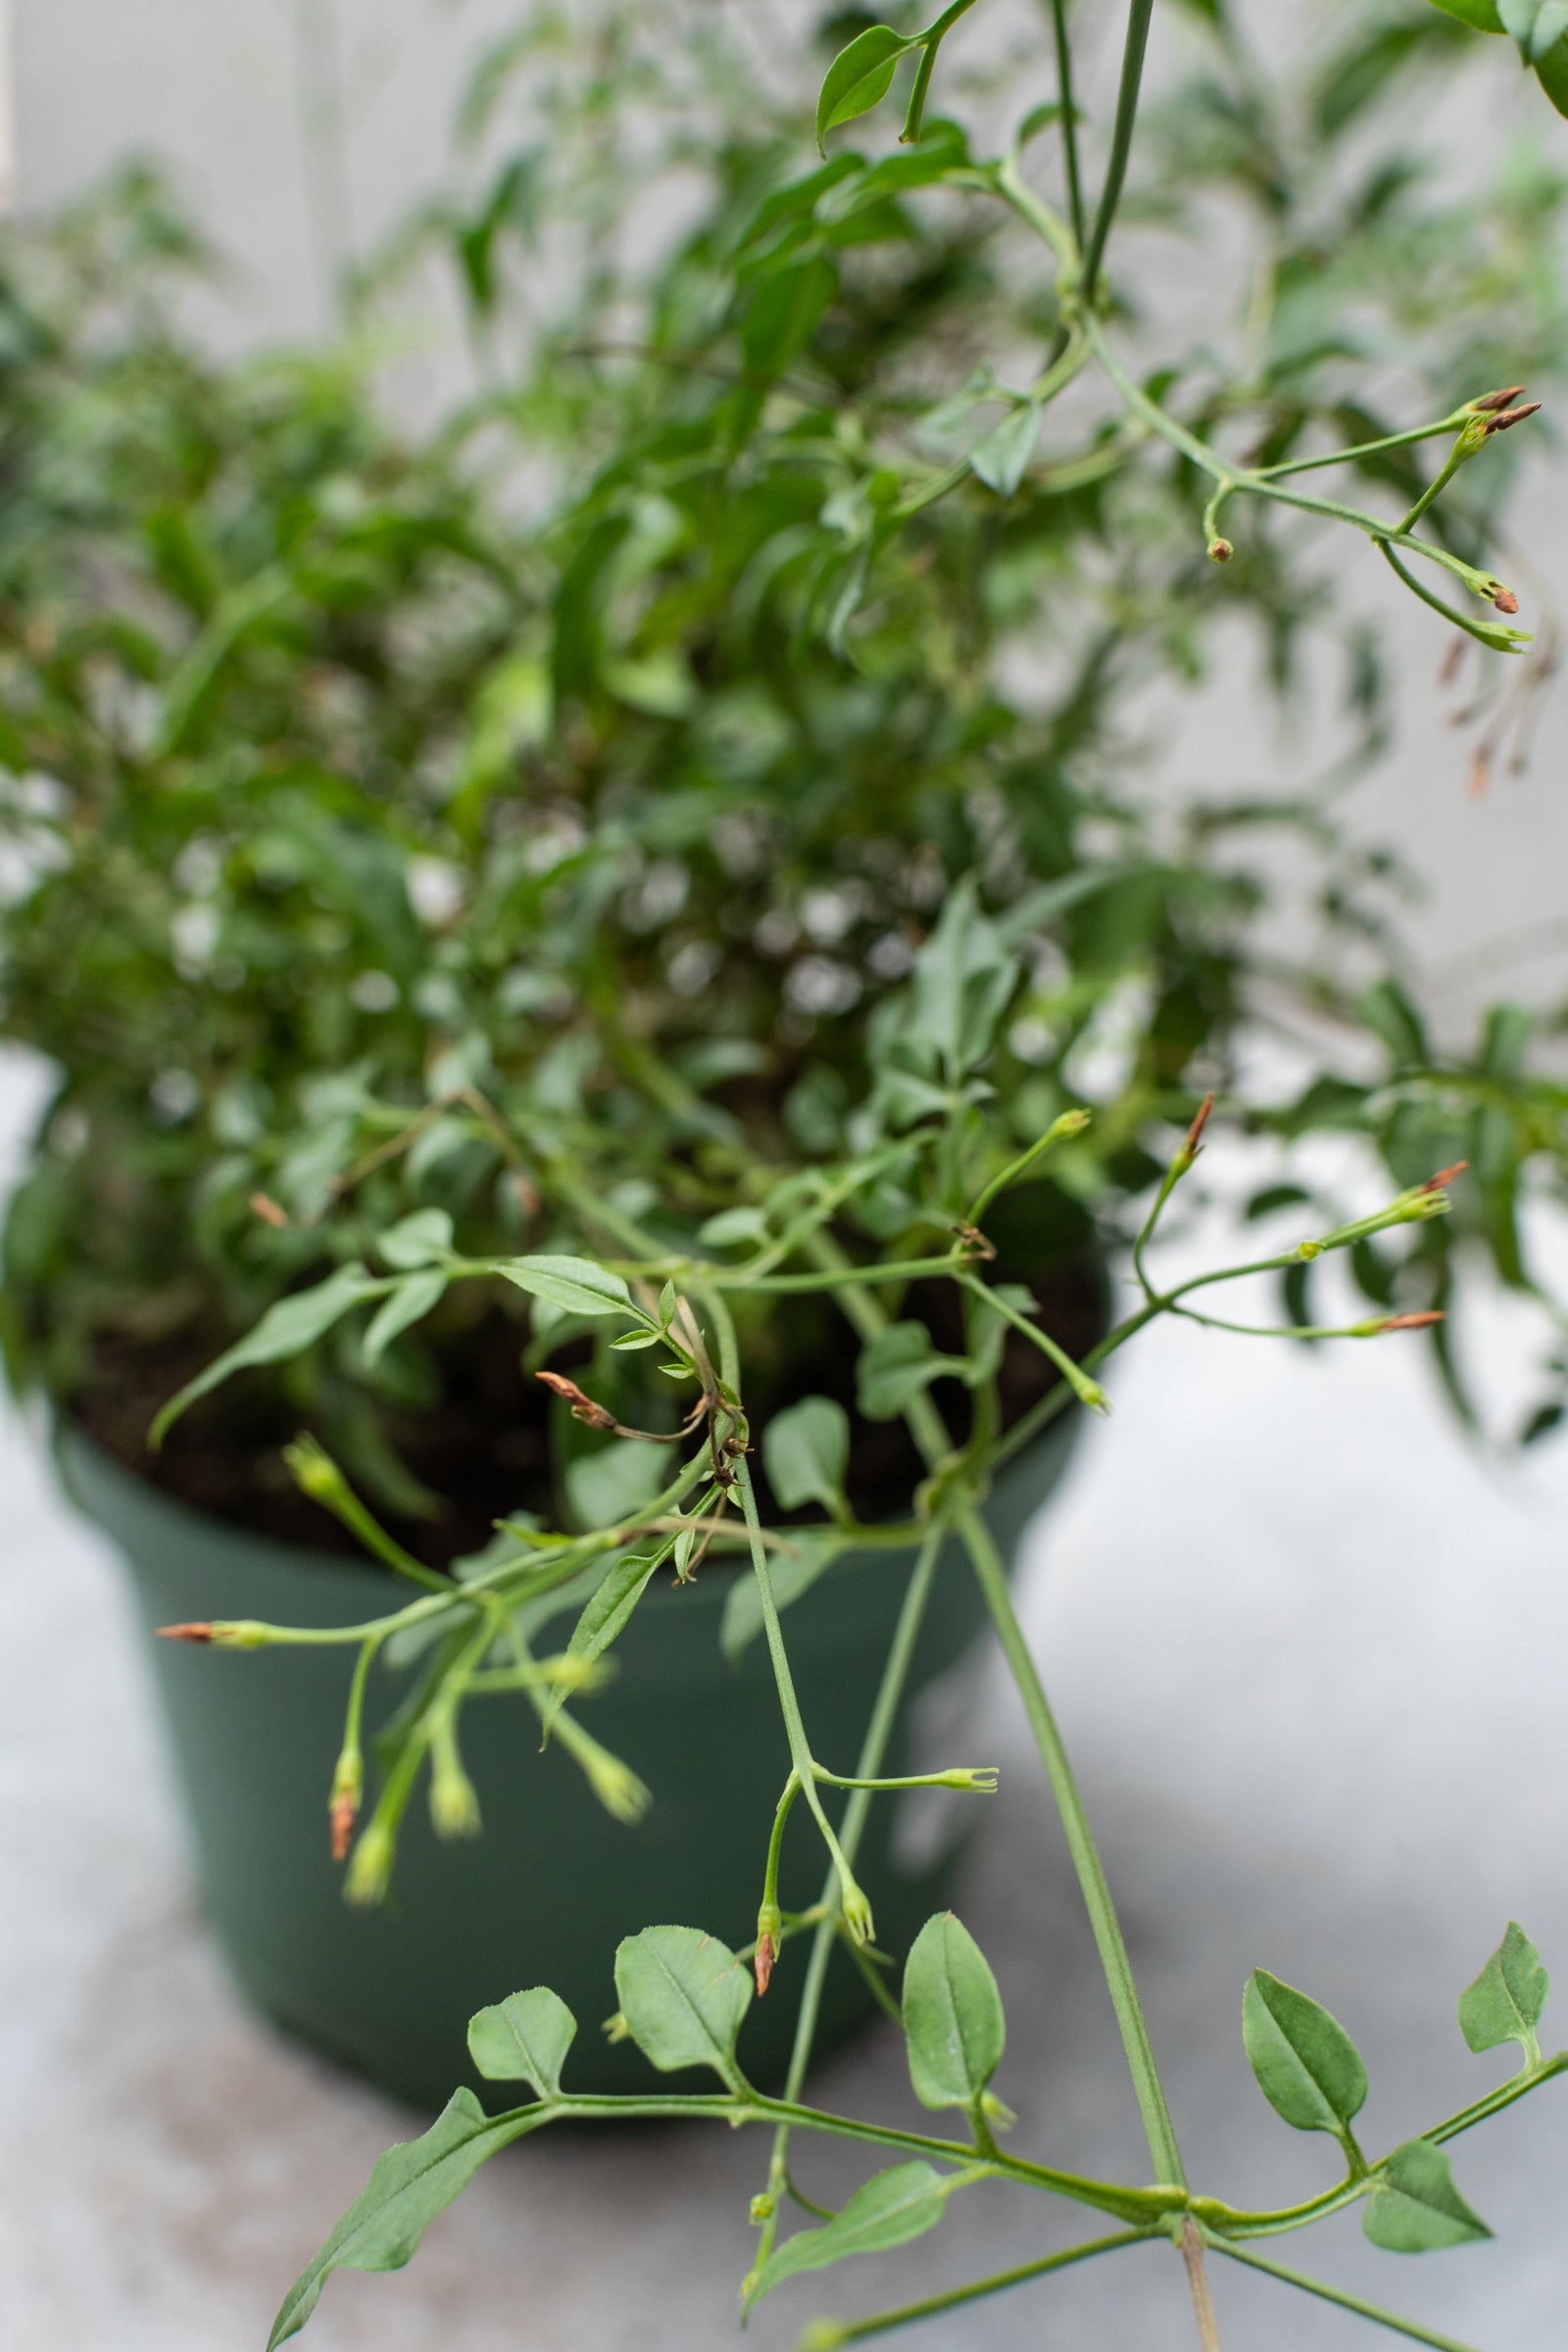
873 1748
933 39
1087 1392
1069 119
993 1580
1346 2301
1133 53
1364 449
856 1910
856 2331
769 1919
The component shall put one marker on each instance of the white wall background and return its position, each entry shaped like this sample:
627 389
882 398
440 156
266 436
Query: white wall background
1308 1651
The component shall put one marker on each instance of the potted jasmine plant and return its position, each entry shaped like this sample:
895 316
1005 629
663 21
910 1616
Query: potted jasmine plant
502 951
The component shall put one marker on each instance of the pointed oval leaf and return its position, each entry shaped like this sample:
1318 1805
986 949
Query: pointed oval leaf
524 2039
409 1303
613 1482
573 1286
806 1451
1308 2067
416 1240
1417 2208
612 1605
292 1324
897 1365
1480 15
410 2186
952 2017
683 1995
889 2210
1000 457
859 77
1506 1999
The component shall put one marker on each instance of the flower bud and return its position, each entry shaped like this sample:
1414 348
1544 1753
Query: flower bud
615 1784
343 1810
234 1633
581 1407
763 1962
1220 551
453 1801
857 1913
370 1871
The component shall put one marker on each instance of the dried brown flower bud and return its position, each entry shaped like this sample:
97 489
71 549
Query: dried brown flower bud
1492 401
193 1632
345 1813
1507 416
1220 551
762 1965
584 1408
1195 1133
1505 600
1480 771
267 1209
1444 1177
1417 1322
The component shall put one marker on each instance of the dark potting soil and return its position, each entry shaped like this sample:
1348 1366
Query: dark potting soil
483 1447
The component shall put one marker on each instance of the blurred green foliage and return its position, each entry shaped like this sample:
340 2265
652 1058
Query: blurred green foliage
603 753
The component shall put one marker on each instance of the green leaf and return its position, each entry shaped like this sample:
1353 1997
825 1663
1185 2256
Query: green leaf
1534 25
962 979
733 1225
683 1995
609 1610
290 1326
791 1572
1551 72
1506 1999
889 2210
952 2017
806 1453
898 1366
613 1482
1480 15
1308 2067
410 2186
1000 457
524 2039
416 1241
573 1286
859 77
1416 2207
410 1302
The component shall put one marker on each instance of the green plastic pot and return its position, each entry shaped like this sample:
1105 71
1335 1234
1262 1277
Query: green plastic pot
547 1892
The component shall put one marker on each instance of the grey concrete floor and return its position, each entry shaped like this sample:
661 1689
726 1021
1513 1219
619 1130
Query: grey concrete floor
1307 1651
